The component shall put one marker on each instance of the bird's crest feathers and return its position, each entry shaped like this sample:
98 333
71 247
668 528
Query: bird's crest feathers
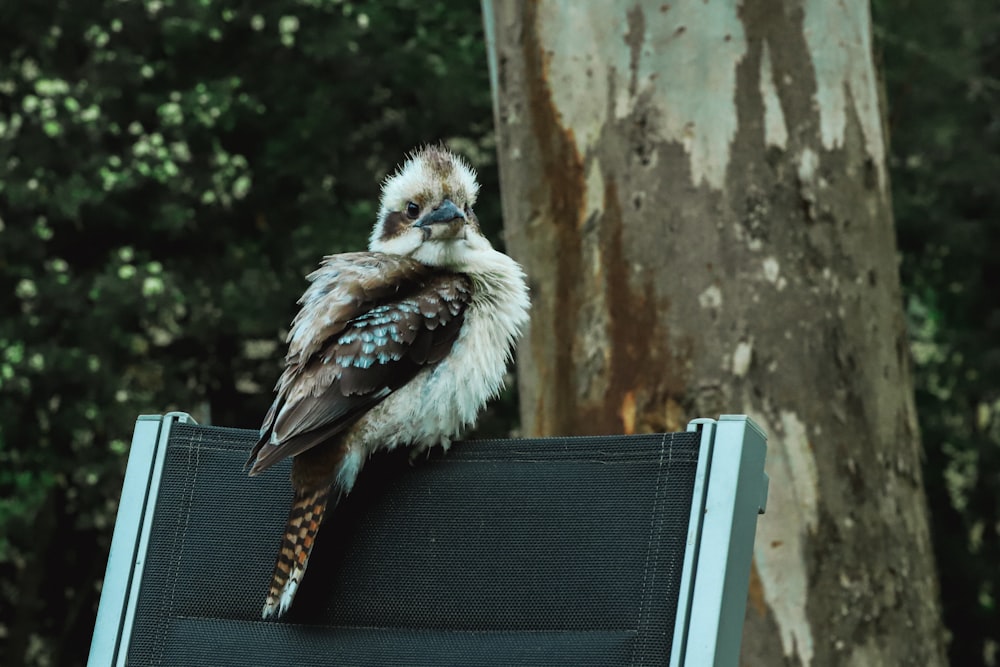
429 176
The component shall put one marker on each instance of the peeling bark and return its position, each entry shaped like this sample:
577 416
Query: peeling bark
698 193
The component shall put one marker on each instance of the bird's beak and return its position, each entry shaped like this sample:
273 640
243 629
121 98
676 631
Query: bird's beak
446 212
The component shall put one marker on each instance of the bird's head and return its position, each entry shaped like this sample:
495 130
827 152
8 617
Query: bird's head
426 211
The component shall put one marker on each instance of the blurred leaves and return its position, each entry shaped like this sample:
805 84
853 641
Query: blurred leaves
942 72
169 172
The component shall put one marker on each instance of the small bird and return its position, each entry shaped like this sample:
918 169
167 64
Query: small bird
402 345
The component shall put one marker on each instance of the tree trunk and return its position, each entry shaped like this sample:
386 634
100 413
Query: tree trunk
698 191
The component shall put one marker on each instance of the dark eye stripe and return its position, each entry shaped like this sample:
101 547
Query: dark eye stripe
394 225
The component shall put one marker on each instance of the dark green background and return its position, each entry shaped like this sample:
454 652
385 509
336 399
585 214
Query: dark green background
170 170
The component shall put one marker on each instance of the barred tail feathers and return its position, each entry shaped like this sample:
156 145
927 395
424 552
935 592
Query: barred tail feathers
304 520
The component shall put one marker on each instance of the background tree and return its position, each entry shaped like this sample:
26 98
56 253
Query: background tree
700 195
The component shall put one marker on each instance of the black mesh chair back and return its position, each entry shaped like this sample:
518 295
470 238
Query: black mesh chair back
562 551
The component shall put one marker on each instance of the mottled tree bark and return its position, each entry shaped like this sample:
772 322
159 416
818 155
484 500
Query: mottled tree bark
698 192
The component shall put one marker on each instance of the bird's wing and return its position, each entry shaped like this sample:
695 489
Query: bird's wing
369 322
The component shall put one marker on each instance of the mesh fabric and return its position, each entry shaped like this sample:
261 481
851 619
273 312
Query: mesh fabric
562 551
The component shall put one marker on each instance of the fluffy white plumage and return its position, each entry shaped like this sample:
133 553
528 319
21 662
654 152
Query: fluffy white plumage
444 400
400 346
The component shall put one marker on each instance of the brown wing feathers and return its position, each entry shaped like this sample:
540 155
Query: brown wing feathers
345 286
368 324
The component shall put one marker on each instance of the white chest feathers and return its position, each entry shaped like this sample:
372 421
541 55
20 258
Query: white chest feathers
444 400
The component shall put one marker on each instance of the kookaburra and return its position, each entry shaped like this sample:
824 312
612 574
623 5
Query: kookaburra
402 345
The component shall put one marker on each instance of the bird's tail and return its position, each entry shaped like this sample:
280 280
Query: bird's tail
300 532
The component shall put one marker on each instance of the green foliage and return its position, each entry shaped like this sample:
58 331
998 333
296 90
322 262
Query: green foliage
169 171
943 78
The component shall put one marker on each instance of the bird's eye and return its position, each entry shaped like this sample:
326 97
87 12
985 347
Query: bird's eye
468 211
412 210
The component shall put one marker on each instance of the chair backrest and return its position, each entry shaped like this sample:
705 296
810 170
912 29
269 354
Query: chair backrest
622 550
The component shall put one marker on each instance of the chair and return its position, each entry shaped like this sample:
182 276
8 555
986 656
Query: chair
617 550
